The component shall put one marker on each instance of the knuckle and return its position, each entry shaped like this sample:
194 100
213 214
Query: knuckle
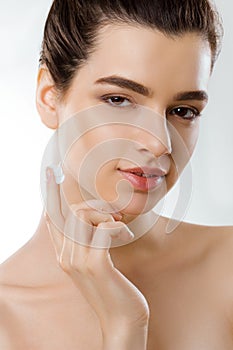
76 266
112 229
97 266
108 224
82 216
103 225
73 207
77 206
80 213
92 267
90 270
64 265
121 225
108 218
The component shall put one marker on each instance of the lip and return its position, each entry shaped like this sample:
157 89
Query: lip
142 183
146 170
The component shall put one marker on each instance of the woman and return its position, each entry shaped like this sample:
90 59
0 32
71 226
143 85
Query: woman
141 288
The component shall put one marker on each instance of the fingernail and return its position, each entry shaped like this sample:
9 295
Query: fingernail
130 233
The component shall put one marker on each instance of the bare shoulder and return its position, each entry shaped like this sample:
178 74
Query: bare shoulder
207 236
6 320
218 263
222 241
12 315
9 336
213 245
224 268
215 237
222 250
218 241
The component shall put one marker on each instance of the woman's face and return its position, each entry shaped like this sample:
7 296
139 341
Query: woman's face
165 76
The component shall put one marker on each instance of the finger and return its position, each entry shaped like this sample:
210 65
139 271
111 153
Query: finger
78 227
79 231
63 244
54 239
125 233
105 232
85 220
98 262
73 248
94 217
65 256
53 201
65 206
100 206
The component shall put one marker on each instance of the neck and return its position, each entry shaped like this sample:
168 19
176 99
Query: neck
39 258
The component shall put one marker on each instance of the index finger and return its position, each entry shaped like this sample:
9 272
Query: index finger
53 200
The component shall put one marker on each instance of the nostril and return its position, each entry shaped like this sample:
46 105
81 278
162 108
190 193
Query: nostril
164 162
167 152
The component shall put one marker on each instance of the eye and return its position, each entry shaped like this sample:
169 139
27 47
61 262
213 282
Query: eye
185 113
117 101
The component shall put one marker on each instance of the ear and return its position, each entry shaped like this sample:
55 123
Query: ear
46 98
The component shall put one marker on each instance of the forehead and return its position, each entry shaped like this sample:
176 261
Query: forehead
146 55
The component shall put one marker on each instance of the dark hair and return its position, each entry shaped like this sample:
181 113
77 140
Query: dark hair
72 28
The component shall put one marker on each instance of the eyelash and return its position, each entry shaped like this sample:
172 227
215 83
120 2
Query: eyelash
194 111
108 97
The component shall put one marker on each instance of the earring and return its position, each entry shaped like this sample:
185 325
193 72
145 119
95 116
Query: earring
58 173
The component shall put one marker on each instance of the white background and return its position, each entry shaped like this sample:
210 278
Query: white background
23 137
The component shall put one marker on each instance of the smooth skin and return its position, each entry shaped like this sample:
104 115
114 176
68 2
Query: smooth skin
184 278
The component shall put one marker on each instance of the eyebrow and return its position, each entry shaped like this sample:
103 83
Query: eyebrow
199 95
125 83
122 82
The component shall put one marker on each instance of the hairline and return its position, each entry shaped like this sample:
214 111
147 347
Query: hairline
128 22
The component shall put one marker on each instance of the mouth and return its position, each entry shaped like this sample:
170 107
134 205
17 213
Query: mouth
143 178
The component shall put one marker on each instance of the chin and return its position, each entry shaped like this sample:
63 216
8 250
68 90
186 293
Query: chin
137 202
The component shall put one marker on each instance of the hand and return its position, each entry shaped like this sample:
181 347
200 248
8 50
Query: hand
117 302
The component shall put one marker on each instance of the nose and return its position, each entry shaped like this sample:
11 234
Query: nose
155 138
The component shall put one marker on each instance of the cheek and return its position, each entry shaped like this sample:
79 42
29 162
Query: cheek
186 133
190 136
184 137
95 151
106 180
